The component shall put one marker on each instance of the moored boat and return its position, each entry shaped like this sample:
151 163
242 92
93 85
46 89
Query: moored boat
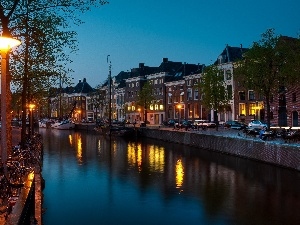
63 125
119 131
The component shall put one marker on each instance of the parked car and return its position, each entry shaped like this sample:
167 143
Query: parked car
186 124
233 124
257 124
204 123
171 122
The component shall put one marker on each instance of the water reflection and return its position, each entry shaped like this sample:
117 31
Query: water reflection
152 182
179 173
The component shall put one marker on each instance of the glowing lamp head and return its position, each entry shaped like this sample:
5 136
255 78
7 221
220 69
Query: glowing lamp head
31 106
8 43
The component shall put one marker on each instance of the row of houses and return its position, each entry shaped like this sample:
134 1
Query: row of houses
176 96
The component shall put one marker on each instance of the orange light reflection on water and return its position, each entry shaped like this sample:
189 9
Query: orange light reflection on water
179 170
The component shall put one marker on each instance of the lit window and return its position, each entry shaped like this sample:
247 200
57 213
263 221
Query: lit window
252 109
242 109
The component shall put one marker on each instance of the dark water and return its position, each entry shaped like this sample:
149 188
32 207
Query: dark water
91 180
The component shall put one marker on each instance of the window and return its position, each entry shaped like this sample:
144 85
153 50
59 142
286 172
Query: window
188 82
242 95
229 91
271 115
242 109
294 97
251 96
252 109
160 91
189 94
228 75
196 94
272 99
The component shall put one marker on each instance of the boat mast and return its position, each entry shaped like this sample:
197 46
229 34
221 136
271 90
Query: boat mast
109 91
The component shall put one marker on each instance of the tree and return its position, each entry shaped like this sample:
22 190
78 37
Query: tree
145 98
268 66
44 28
215 95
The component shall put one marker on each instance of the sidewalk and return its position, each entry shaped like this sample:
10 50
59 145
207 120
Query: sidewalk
226 132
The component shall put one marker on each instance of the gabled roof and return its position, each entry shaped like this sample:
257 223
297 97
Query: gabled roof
143 70
121 77
231 54
178 70
83 87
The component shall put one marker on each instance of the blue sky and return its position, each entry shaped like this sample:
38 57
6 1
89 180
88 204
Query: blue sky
191 31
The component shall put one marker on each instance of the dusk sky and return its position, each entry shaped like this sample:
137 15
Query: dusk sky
191 31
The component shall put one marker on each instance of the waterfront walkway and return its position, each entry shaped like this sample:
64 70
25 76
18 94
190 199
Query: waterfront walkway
228 132
12 206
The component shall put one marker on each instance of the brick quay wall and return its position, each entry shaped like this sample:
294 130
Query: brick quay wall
276 153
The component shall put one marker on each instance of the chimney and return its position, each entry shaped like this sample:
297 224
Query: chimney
165 60
79 80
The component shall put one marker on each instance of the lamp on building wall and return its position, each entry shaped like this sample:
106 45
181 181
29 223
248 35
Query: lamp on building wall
179 113
5 45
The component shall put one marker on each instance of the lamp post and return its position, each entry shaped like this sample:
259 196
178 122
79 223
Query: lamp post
5 45
139 109
31 107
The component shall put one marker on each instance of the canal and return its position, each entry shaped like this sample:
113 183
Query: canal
90 179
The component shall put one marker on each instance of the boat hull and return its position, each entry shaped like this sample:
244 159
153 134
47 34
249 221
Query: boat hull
64 125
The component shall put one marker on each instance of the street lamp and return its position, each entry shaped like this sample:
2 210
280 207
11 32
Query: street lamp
139 109
31 107
5 45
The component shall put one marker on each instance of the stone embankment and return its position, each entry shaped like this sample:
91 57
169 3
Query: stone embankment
24 206
232 142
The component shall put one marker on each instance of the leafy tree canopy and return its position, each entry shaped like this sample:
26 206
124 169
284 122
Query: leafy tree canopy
213 88
271 63
145 96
